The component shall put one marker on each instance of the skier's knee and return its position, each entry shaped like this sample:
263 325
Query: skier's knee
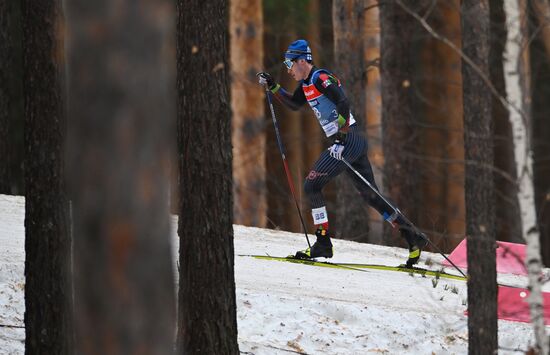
310 188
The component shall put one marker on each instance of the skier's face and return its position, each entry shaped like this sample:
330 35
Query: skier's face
299 69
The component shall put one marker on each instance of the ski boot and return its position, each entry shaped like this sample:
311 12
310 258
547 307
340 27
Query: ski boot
417 241
321 248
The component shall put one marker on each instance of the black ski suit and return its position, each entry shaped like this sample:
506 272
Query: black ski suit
323 91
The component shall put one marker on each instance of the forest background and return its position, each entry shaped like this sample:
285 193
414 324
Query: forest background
451 94
416 135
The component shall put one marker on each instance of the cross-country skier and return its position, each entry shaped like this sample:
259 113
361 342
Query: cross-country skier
323 92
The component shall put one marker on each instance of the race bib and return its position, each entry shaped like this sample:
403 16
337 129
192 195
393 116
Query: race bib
319 215
330 128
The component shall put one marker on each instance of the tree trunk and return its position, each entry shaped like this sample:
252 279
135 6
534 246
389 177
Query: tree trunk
48 296
249 124
518 85
121 109
348 23
11 99
207 321
480 215
540 65
373 109
291 133
442 136
401 173
508 218
541 9
282 212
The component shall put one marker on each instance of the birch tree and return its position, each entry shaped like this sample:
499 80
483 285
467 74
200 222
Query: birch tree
505 177
518 86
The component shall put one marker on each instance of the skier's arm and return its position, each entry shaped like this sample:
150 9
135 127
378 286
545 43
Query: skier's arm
294 101
328 85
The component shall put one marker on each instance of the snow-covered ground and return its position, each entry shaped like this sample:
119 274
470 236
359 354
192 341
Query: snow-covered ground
286 308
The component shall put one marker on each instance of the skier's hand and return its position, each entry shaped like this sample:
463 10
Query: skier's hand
337 148
265 78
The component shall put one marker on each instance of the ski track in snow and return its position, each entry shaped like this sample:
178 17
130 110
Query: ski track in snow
285 308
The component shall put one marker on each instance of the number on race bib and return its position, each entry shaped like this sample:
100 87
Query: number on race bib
317 112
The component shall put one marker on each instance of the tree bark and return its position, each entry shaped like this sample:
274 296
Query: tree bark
121 109
348 23
373 109
282 212
541 9
509 221
518 84
249 124
401 173
480 215
207 321
540 65
442 135
11 99
48 296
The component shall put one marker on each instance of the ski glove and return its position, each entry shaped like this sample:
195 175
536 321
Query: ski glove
337 147
265 78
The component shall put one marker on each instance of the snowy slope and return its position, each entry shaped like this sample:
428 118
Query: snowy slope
284 308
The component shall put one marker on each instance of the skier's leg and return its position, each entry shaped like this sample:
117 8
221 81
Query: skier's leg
323 171
327 168
415 239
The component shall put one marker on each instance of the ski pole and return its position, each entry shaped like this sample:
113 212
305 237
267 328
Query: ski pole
396 212
285 164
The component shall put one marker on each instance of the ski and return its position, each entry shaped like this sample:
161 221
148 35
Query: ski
311 262
361 267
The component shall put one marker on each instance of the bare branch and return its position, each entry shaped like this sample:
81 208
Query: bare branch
507 104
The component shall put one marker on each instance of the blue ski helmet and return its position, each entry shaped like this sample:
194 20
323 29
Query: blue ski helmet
299 49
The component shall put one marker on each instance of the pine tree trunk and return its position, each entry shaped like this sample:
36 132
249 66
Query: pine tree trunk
373 109
249 124
455 204
207 322
518 85
11 99
121 109
291 134
348 22
480 215
282 212
442 137
48 296
401 173
541 10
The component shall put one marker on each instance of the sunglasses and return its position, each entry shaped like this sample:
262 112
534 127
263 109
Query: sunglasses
289 63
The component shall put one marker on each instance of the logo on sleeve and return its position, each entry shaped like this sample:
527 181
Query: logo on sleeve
326 80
